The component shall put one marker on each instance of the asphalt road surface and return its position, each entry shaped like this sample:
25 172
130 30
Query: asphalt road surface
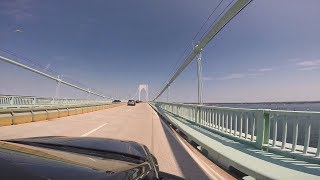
137 123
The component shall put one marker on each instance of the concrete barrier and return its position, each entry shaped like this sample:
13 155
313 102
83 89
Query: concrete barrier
63 112
85 109
112 105
5 119
33 114
39 115
79 110
52 114
21 117
72 111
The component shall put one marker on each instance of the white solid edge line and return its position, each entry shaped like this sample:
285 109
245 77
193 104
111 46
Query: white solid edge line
93 130
209 171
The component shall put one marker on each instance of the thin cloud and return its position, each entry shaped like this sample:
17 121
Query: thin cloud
232 76
250 73
294 59
308 65
309 68
266 69
18 31
19 9
254 74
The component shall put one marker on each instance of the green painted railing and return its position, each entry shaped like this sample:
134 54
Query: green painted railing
258 127
304 121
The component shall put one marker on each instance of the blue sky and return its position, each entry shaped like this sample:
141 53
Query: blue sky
269 52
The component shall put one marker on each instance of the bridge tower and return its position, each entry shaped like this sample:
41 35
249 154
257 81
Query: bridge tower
145 88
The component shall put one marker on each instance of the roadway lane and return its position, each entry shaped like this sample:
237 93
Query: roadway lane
137 123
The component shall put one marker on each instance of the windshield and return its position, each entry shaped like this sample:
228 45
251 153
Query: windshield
186 88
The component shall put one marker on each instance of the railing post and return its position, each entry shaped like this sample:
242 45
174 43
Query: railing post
318 147
52 101
307 136
263 126
284 132
178 110
197 115
11 101
295 134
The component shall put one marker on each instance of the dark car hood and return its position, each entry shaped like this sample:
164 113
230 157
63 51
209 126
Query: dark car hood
101 144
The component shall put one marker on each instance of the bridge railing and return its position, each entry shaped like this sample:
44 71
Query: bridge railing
294 131
258 127
22 101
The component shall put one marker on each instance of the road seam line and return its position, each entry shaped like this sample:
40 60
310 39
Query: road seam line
93 130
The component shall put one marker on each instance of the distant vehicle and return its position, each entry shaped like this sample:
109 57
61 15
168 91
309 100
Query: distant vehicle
131 103
116 101
137 101
58 157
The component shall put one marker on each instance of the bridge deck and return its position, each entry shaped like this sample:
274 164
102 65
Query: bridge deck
138 123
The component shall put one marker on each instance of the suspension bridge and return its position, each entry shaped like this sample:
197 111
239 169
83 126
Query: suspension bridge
194 141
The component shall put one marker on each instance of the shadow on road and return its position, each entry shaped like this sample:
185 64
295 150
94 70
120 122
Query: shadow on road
190 168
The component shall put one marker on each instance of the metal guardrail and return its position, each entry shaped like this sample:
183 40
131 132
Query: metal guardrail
21 101
258 127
